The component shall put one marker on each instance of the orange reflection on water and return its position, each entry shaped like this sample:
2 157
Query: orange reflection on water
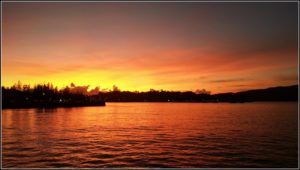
152 135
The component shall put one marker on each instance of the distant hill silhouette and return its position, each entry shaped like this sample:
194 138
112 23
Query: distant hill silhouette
287 93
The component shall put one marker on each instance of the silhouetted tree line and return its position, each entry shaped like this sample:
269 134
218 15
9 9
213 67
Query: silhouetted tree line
289 93
45 95
48 96
153 96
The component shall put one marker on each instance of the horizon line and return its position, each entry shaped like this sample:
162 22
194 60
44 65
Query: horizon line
112 89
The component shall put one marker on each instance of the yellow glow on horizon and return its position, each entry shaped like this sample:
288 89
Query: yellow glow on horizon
138 50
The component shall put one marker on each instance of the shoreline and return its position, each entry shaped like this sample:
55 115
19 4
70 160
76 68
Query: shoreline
104 104
56 105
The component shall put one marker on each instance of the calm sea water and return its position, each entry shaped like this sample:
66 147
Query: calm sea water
152 135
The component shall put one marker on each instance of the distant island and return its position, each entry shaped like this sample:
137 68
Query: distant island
47 96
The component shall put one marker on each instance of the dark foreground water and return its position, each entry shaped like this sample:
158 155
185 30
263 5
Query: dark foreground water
152 135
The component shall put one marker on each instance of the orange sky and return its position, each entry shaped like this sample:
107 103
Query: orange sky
220 47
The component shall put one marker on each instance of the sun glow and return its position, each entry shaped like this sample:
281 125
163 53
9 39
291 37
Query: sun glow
140 50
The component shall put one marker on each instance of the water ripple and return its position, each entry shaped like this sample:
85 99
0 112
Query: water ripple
182 136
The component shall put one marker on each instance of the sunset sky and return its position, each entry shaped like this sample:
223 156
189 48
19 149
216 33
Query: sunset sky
219 47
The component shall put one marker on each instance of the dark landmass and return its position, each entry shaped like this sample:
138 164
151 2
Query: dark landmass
45 96
287 93
42 96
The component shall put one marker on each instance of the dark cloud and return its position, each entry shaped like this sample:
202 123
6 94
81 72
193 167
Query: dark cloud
228 80
293 77
239 85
